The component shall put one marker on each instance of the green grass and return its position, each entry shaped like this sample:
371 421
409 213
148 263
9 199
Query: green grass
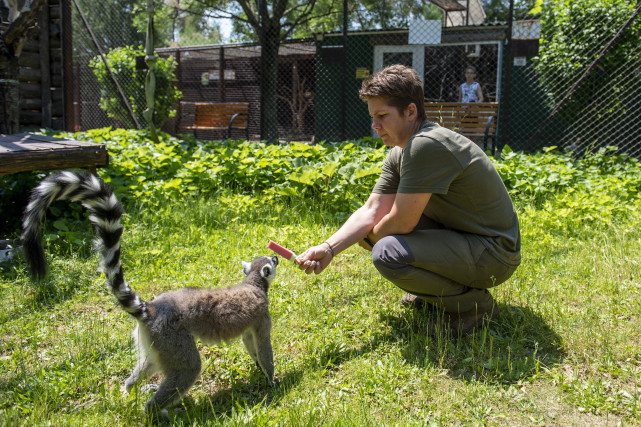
566 349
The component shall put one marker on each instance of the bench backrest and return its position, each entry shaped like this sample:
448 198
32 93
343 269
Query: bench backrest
468 118
218 114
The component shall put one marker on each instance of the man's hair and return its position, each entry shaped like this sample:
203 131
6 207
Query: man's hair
398 85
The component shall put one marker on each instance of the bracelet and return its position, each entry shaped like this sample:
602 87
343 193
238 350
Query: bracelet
331 250
369 242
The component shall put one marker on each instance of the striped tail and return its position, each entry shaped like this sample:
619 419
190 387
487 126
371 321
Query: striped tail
105 212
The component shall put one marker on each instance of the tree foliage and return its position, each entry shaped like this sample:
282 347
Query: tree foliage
498 10
180 22
122 62
572 36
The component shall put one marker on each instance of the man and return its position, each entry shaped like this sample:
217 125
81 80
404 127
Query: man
439 221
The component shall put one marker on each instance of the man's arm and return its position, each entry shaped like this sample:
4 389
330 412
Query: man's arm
403 216
355 229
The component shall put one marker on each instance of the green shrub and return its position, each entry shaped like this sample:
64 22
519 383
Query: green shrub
339 177
122 62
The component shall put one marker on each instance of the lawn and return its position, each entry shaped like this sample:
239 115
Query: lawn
566 349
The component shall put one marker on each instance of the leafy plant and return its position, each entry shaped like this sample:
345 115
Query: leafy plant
122 66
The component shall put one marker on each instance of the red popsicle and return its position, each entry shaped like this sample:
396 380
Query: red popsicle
284 252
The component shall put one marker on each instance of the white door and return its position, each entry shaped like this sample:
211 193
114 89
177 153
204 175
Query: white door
412 56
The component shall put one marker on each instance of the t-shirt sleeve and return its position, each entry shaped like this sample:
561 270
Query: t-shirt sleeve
427 167
390 174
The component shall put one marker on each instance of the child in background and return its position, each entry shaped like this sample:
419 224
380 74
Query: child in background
470 91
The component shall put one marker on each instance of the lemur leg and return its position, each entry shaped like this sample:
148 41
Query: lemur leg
249 341
180 361
146 365
263 345
173 387
144 369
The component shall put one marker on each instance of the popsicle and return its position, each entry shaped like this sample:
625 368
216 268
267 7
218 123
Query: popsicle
288 255
284 252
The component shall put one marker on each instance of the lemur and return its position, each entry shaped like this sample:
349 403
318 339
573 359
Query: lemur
168 324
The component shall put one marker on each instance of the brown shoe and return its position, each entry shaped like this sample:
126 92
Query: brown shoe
412 301
465 323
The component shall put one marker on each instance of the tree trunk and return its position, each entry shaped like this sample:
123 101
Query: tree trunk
269 87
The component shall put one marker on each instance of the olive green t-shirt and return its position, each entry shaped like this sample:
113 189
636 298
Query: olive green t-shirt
468 194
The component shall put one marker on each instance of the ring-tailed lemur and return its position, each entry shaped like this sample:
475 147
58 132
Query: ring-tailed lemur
167 325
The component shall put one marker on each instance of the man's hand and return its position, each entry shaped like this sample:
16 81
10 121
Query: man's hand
314 259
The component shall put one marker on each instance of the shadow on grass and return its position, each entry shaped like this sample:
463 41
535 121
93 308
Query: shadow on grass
45 294
241 397
513 347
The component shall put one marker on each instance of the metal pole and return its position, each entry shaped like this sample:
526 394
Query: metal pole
150 79
507 86
344 79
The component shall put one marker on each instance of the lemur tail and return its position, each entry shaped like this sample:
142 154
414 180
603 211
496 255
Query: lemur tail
105 212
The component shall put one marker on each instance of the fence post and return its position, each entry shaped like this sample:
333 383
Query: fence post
506 93
221 75
344 79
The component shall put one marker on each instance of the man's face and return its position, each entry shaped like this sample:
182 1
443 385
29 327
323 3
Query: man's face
394 128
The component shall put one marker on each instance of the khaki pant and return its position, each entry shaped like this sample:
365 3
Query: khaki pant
444 267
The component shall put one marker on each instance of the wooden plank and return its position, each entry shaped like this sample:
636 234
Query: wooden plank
216 116
30 60
469 119
45 160
26 152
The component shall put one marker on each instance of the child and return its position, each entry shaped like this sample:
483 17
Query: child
470 91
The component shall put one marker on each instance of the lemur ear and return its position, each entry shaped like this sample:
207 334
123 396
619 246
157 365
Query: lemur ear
246 267
266 270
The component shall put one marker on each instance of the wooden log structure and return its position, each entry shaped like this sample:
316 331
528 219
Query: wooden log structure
26 152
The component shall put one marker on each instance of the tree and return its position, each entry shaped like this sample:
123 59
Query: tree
498 10
269 22
11 39
573 37
181 23
363 15
122 67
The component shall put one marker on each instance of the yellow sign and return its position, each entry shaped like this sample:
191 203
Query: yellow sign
362 73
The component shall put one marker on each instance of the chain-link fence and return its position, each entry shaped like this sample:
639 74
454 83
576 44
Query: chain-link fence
573 79
568 77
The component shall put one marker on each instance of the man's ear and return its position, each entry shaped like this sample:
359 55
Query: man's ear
411 110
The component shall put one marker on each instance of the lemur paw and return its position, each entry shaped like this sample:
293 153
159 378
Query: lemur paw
149 388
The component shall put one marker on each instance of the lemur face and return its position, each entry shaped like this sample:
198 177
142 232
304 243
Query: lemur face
265 264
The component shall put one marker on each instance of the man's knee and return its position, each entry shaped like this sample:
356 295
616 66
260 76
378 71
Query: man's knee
391 257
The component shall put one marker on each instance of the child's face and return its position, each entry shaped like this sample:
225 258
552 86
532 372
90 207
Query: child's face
470 74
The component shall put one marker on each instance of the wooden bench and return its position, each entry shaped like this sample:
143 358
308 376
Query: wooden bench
216 116
475 120
25 152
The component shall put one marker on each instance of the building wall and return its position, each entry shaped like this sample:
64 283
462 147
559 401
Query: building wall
41 72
